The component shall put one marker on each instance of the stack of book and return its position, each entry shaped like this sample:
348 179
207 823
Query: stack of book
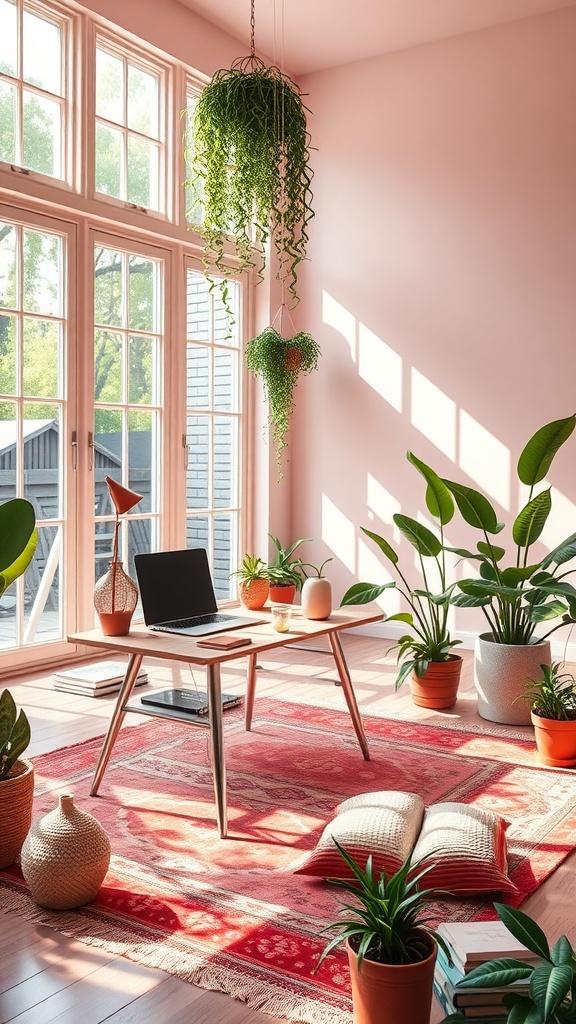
97 679
472 943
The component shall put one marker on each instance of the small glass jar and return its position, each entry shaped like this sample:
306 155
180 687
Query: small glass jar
281 617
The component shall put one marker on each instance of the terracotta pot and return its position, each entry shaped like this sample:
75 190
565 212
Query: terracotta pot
282 593
253 593
293 358
16 796
437 689
501 674
316 598
115 600
555 740
392 993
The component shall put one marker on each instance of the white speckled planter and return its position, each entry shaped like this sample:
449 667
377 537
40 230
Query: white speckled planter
501 672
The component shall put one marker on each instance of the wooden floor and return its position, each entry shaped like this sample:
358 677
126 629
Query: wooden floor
45 977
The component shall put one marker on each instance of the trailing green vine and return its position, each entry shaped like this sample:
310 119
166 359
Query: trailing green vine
250 178
278 362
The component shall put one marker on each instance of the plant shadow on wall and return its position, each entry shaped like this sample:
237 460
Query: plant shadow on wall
250 183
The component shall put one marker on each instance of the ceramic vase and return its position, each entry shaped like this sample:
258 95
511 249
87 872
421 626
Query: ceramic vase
115 599
316 598
437 689
65 857
501 674
16 796
392 993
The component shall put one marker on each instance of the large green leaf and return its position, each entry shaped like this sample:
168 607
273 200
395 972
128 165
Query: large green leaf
18 539
563 552
530 522
438 498
474 508
425 542
382 544
549 986
491 550
401 617
524 929
363 593
544 612
469 600
514 575
501 971
537 456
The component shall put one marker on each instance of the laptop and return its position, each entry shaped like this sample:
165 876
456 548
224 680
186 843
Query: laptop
177 594
193 701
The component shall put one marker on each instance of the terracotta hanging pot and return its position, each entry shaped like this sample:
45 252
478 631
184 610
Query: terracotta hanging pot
253 593
292 358
555 741
437 689
392 993
16 797
501 675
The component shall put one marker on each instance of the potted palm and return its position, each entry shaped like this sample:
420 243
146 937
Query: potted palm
426 652
19 539
552 992
523 597
391 947
253 585
284 573
552 700
279 362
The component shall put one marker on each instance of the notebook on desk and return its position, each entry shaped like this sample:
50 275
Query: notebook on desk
178 596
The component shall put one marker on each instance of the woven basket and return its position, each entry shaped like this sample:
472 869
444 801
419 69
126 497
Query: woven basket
16 795
65 857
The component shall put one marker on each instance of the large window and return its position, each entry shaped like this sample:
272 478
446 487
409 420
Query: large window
213 434
32 87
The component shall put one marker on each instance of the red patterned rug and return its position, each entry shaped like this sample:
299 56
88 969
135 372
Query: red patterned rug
230 914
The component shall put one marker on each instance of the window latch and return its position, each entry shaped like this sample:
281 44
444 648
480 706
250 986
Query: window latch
74 444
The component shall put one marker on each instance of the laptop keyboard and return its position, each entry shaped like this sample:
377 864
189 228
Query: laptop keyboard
195 620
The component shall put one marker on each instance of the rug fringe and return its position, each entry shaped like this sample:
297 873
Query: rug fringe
268 997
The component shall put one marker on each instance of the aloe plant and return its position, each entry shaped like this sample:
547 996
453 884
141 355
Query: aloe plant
14 733
552 993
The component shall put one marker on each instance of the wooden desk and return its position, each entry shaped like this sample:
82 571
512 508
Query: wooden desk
141 642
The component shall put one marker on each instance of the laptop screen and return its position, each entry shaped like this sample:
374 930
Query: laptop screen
175 585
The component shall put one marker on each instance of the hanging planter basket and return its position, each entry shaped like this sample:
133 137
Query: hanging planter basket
250 175
279 362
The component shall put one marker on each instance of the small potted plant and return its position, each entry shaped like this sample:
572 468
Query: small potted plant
553 711
253 585
284 573
425 653
391 947
552 983
316 591
16 779
279 362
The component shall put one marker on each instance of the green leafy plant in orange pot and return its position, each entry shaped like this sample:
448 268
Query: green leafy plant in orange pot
253 585
553 713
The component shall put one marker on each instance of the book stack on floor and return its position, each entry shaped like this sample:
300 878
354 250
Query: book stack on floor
97 679
472 943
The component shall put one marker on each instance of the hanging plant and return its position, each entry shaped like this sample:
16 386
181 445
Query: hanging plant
250 179
279 362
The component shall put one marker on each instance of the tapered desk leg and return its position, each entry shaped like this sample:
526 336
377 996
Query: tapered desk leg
349 694
217 747
116 720
250 692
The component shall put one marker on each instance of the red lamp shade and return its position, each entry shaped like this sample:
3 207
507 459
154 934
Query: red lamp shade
122 498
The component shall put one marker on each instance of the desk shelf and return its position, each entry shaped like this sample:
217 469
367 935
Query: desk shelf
134 707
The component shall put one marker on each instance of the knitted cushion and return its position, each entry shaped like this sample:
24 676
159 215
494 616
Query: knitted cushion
384 824
467 848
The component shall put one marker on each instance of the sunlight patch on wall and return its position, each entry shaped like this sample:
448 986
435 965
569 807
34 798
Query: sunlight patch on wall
380 366
338 533
433 414
485 459
382 505
372 570
340 319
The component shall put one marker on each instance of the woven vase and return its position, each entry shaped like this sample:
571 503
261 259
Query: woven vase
65 857
115 598
16 796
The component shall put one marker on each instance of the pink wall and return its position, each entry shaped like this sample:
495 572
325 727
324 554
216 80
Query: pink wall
440 283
